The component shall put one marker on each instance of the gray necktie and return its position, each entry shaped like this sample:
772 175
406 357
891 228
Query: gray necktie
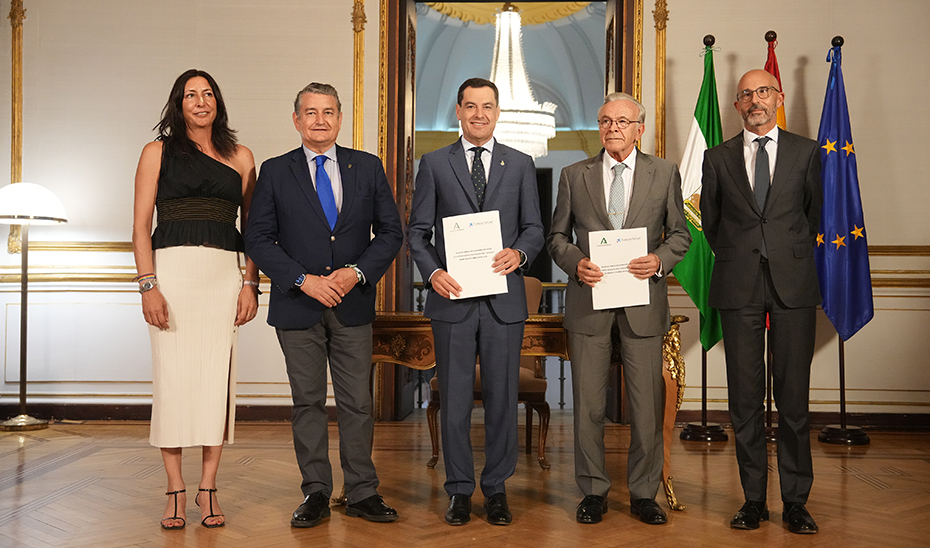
617 201
762 178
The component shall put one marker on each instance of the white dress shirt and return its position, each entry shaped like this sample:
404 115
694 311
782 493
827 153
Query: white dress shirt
331 166
627 176
485 156
751 148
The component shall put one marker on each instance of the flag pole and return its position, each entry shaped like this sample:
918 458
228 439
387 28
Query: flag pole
841 434
704 431
771 431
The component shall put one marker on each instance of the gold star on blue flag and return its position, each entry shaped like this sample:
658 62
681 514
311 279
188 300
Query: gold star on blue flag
843 268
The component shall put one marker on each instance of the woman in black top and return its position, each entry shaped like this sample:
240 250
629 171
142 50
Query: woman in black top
194 295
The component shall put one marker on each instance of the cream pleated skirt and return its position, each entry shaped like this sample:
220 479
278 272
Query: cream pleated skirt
194 360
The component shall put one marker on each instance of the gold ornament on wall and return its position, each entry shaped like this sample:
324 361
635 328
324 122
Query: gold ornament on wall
17 14
358 91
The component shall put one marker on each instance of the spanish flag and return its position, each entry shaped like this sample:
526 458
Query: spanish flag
771 66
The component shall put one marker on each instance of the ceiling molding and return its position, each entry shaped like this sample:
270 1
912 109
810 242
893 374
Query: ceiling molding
484 13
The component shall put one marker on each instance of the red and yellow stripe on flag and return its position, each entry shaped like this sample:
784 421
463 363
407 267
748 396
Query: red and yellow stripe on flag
771 66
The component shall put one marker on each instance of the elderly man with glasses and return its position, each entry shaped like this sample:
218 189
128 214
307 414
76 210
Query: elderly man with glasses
619 188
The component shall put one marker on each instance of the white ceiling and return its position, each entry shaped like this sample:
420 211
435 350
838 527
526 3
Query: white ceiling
564 59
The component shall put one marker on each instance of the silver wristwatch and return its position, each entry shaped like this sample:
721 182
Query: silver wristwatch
147 285
358 272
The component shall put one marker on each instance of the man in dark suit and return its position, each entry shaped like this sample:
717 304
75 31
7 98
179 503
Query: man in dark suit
475 174
619 188
310 225
761 211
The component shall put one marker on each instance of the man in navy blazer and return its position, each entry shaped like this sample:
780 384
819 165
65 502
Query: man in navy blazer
309 230
761 212
476 174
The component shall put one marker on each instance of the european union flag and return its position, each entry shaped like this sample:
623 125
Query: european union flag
842 247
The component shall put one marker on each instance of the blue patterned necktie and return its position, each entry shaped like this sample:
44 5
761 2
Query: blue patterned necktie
617 204
324 189
477 175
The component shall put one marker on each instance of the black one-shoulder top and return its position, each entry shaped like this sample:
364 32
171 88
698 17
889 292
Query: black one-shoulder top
197 203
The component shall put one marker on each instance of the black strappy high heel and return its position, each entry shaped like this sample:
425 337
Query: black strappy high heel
175 516
212 515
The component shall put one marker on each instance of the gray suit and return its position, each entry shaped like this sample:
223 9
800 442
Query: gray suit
581 207
491 327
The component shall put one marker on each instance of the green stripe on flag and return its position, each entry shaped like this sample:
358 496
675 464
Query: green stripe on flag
694 270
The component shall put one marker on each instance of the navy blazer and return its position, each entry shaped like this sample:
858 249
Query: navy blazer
444 188
287 235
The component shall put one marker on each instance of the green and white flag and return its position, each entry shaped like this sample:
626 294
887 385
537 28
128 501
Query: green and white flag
694 270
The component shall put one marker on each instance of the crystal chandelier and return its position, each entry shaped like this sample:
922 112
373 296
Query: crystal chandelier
524 124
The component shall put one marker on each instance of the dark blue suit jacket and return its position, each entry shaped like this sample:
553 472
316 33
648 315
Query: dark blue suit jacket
444 188
287 235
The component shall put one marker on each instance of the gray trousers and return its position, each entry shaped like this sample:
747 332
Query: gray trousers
645 393
457 347
348 350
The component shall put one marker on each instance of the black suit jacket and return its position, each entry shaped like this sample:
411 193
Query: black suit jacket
735 227
288 235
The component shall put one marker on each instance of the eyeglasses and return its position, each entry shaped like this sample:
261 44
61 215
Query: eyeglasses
745 96
606 123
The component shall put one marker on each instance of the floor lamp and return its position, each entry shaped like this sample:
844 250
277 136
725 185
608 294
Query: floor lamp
25 204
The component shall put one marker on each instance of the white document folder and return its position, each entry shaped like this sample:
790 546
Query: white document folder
612 251
472 241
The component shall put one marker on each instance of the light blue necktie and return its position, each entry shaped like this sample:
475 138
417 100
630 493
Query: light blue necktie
617 203
324 189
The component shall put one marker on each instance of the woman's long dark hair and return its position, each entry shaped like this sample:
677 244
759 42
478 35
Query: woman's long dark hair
172 129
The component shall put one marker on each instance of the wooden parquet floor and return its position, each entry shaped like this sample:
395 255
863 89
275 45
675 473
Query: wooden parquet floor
100 485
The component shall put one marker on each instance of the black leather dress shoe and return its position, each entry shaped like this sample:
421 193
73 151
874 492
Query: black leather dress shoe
798 520
750 515
459 512
314 508
497 509
591 509
648 511
372 509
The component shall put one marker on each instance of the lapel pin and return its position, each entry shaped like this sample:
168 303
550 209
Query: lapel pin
502 162
350 166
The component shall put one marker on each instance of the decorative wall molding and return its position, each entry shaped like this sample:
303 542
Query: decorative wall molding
17 14
358 68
